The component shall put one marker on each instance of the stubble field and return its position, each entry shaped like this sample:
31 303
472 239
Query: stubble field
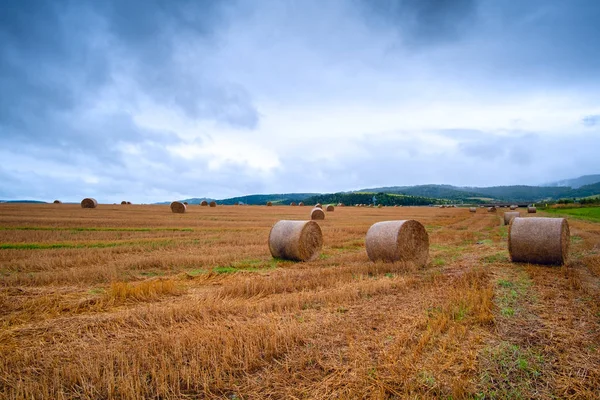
132 301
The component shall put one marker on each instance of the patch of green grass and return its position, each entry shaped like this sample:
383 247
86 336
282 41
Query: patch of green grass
197 271
225 270
510 371
587 213
438 262
510 292
93 245
92 229
96 291
494 258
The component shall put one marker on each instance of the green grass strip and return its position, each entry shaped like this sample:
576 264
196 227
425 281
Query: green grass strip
95 245
45 228
586 213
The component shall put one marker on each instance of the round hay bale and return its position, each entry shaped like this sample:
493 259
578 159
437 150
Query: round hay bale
509 216
318 205
341 205
380 206
178 207
186 203
212 204
404 240
371 205
330 208
204 203
269 204
531 210
301 204
473 209
514 207
296 240
492 209
88 202
293 204
128 202
317 213
539 240
57 202
123 202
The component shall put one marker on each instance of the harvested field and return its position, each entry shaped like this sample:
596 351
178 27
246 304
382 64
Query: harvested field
139 302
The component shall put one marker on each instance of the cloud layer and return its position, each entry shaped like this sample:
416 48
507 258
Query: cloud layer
149 101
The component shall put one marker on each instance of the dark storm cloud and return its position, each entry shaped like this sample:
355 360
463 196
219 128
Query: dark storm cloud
103 97
423 22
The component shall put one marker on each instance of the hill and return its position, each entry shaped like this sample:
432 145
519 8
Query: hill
576 183
261 199
386 199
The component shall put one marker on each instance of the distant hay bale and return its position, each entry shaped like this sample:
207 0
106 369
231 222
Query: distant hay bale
330 208
492 209
269 204
341 205
128 202
178 207
212 204
472 209
531 210
185 202
539 240
88 202
514 207
318 205
371 205
404 240
301 204
57 202
296 240
317 213
293 204
204 203
123 202
509 216
380 206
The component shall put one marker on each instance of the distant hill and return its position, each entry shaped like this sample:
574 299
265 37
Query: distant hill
517 193
261 199
576 183
24 201
365 197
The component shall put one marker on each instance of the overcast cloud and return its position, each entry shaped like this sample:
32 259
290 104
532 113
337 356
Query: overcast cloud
159 100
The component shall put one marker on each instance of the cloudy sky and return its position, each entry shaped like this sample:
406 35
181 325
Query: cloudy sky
150 100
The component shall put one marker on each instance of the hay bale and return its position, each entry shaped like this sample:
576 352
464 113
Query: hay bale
212 204
473 209
531 210
204 203
128 202
509 216
296 240
123 202
293 204
514 207
380 206
341 205
186 203
330 208
539 240
88 202
318 205
301 204
57 202
178 207
492 209
317 213
404 240
269 204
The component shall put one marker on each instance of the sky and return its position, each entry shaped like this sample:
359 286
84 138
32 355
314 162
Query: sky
156 100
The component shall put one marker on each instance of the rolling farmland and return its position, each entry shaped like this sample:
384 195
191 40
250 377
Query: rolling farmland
132 301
